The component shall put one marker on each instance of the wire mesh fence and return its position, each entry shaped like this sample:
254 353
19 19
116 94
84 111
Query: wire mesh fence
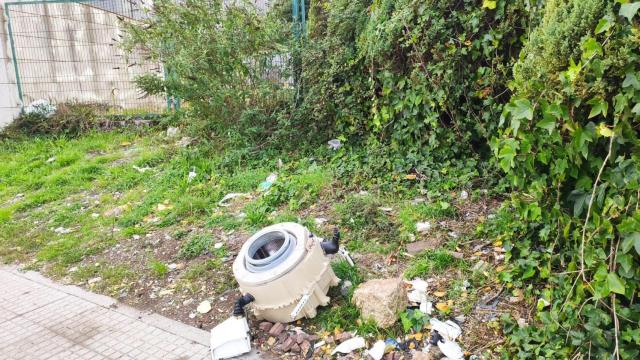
64 50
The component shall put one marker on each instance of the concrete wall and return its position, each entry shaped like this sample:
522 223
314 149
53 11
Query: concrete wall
69 52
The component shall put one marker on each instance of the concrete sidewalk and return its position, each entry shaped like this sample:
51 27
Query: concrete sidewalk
40 319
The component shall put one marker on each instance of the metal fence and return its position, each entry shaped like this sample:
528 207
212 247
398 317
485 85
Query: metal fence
67 50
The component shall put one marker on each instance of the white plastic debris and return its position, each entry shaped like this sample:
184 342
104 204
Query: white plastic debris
464 195
451 350
319 344
334 144
204 307
345 255
218 245
172 131
230 338
141 170
50 160
426 307
377 350
319 221
192 175
268 182
42 107
448 329
349 345
231 196
418 292
423 227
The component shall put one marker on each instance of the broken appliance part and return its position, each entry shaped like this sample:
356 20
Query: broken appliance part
285 268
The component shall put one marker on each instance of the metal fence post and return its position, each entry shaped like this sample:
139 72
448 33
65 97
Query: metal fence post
14 59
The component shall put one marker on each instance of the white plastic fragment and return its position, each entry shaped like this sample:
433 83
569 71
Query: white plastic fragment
426 307
451 350
192 175
350 345
204 307
418 292
319 344
464 195
448 329
334 144
345 255
377 350
172 131
141 170
230 196
42 107
230 338
423 227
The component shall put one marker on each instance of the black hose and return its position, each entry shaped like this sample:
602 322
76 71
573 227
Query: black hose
238 308
331 246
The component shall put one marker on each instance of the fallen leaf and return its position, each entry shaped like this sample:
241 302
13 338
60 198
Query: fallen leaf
442 307
410 176
439 293
418 336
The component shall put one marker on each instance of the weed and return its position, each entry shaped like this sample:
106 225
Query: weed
196 246
432 261
158 268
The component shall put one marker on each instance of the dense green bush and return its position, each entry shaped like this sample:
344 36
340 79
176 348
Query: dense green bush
570 147
427 79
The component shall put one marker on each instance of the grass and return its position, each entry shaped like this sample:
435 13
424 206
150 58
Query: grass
432 261
158 268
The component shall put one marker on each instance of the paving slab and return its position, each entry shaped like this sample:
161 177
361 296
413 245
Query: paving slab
40 319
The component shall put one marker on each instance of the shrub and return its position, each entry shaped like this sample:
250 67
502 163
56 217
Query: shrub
69 118
570 147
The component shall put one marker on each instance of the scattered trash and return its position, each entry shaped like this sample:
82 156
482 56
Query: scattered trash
141 170
192 175
426 307
230 338
334 144
62 230
204 307
50 160
172 266
218 245
345 255
185 141
418 291
449 330
451 350
377 350
444 335
42 107
423 227
319 344
225 200
350 345
268 182
464 195
172 131
320 221
279 164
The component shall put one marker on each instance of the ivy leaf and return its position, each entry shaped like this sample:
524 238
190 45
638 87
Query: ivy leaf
615 284
590 48
548 124
636 109
629 10
631 240
631 80
603 25
489 4
603 130
522 109
598 106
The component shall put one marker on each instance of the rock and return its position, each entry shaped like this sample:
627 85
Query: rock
94 280
265 326
276 329
417 247
464 195
419 355
381 300
329 340
300 338
345 287
344 336
305 347
288 344
457 255
295 348
116 211
187 302
184 142
204 307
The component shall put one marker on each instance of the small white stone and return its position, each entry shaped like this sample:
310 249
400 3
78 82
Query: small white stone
204 307
464 195
218 245
423 227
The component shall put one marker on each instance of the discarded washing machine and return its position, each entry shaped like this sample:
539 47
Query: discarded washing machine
284 271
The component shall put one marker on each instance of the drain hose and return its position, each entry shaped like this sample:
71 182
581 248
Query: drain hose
238 308
332 246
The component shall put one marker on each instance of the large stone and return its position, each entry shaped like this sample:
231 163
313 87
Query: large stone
417 247
381 300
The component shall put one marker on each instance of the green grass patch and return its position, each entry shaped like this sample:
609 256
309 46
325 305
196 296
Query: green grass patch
432 261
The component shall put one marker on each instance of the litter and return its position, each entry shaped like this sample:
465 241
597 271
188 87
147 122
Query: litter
172 131
426 307
204 307
319 344
334 144
230 338
451 350
192 175
349 345
423 227
464 195
449 330
377 350
345 255
42 107
141 170
51 159
225 200
418 292
268 182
